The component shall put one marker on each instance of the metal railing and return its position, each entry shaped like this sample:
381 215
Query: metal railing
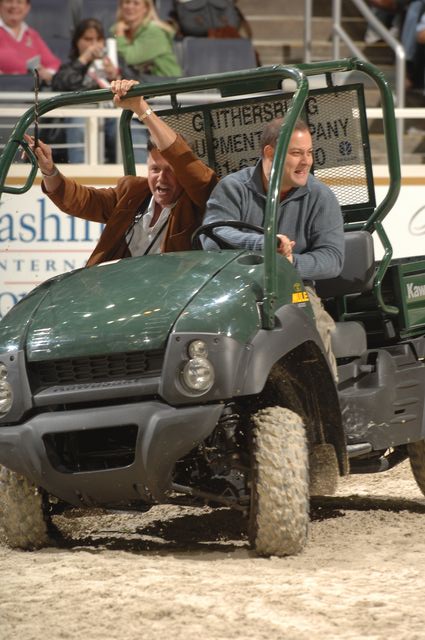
339 33
308 29
93 142
92 119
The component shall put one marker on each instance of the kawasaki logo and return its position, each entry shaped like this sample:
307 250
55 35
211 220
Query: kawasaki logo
415 291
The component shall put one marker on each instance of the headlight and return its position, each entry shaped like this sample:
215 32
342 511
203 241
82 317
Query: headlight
6 393
198 375
197 349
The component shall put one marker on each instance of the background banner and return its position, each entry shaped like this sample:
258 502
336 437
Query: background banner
38 242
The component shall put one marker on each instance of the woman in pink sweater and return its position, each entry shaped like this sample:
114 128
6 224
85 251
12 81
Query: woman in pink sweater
22 48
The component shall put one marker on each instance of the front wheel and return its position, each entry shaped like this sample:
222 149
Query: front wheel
416 451
279 511
23 519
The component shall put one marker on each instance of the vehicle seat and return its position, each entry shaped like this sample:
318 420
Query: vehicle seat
358 269
348 339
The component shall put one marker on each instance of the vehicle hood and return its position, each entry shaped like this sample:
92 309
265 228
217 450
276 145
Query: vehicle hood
129 305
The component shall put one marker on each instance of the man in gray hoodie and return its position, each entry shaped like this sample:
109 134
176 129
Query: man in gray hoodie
310 223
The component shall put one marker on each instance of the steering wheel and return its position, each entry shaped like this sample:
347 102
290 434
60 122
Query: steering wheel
208 230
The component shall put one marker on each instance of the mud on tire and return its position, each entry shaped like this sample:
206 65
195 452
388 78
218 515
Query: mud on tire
23 521
324 470
279 512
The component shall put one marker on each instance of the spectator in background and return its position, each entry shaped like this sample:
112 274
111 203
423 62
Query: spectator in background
391 14
145 53
144 42
88 68
413 39
420 27
21 47
210 19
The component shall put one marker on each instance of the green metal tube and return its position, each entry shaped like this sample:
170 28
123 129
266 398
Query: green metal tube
272 203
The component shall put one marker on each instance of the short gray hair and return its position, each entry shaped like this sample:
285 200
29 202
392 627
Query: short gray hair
272 129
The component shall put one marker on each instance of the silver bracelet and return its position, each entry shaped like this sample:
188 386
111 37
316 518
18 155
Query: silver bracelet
51 175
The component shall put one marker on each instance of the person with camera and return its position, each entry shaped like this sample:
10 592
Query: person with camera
88 68
141 215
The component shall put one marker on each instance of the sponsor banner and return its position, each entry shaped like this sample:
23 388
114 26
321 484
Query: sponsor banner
405 224
37 241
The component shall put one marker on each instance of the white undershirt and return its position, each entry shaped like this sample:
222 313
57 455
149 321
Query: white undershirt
20 35
142 234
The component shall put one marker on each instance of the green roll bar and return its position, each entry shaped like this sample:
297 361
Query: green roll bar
231 84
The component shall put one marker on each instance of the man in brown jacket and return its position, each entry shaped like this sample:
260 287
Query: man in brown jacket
142 215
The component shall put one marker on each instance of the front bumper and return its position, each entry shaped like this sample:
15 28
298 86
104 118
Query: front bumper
164 435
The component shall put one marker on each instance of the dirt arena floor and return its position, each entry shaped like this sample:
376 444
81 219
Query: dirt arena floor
177 573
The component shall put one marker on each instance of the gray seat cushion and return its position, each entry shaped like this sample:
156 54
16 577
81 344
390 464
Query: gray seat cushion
358 270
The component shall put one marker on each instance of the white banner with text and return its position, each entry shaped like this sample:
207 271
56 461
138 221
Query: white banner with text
37 241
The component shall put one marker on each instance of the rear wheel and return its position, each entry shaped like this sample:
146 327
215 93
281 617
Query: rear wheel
279 512
324 470
24 523
416 451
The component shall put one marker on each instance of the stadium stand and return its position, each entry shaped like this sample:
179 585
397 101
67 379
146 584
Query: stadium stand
54 25
277 36
16 82
200 56
164 8
104 10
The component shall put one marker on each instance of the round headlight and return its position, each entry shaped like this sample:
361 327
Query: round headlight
197 349
6 397
198 375
3 371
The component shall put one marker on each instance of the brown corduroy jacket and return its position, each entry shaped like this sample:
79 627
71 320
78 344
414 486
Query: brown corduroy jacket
117 206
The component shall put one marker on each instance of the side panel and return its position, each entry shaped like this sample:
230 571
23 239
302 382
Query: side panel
293 328
408 280
385 407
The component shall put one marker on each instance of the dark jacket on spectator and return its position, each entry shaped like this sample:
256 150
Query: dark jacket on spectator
73 76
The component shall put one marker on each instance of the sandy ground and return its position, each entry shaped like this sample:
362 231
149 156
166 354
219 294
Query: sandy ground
176 573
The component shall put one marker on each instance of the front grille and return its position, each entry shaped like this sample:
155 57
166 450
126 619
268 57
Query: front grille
103 368
92 449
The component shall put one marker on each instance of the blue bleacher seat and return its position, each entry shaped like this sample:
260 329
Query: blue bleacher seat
54 24
48 20
16 82
103 10
164 9
201 56
56 27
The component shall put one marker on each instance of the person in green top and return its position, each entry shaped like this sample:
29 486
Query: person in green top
143 40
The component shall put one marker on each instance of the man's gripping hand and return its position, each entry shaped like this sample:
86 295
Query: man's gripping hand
285 246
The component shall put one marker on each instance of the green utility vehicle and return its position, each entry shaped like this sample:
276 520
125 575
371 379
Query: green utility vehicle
199 377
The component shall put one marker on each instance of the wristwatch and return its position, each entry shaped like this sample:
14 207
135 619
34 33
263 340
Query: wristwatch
145 114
